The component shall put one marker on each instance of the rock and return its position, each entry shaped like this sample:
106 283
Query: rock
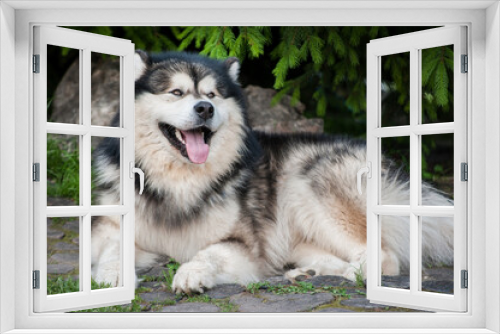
224 291
401 282
191 307
59 268
54 234
73 226
105 83
157 297
334 310
64 246
59 201
363 303
438 286
157 272
280 303
66 257
76 240
283 117
330 280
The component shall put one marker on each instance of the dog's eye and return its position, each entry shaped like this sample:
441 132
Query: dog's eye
211 95
176 92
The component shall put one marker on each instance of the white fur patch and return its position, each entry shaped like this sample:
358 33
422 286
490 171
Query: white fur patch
140 66
234 71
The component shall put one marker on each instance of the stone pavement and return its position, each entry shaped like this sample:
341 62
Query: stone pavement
318 294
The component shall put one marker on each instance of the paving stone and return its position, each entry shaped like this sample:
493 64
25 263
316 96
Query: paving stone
363 303
334 310
438 274
65 257
76 240
157 296
402 282
151 285
224 291
330 280
59 268
280 303
278 280
190 307
65 246
438 286
156 271
54 234
73 225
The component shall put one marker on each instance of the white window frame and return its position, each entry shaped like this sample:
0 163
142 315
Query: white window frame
483 20
85 43
414 43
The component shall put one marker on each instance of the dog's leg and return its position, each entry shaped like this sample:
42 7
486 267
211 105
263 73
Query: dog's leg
106 238
311 260
225 262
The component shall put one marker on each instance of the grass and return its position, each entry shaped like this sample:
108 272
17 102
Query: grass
60 285
299 287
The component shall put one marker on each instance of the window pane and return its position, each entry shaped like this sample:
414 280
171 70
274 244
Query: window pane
395 251
437 169
437 254
107 252
106 175
105 89
63 170
63 255
395 171
437 84
395 89
63 93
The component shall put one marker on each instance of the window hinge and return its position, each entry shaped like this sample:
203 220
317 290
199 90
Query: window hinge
464 171
36 63
465 279
36 279
465 64
36 172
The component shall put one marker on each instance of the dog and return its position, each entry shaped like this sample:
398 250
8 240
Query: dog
233 205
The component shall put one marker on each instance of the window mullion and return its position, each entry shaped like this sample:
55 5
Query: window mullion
85 167
414 168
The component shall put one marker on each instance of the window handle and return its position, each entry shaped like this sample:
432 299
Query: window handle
368 170
139 171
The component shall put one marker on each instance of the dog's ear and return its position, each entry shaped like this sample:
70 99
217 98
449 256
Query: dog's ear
233 68
142 62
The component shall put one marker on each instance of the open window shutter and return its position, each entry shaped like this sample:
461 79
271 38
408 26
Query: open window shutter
413 214
83 296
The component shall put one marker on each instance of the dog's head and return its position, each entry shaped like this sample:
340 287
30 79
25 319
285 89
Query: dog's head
189 106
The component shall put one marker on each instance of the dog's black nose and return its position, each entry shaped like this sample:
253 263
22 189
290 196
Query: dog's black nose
204 109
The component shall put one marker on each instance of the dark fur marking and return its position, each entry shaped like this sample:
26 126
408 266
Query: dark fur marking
235 240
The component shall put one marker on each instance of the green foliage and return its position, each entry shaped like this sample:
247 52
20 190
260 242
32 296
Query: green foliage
64 285
63 168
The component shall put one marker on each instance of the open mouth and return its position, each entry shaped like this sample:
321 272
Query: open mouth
193 144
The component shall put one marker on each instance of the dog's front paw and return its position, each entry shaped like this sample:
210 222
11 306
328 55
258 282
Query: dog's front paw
108 273
193 277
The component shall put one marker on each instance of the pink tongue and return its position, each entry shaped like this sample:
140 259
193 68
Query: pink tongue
196 148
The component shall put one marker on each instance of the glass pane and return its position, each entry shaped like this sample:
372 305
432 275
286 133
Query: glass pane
63 86
437 254
395 89
63 170
395 171
63 255
437 169
107 243
395 251
106 175
105 89
437 84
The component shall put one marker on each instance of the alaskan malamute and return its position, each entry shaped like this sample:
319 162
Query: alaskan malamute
234 205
